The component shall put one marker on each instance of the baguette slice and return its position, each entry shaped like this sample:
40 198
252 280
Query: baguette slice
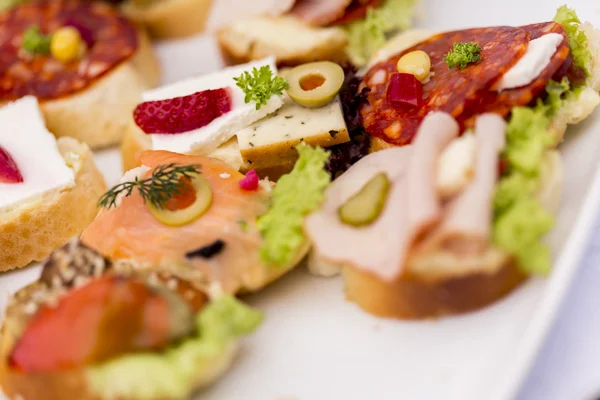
170 19
33 230
286 38
99 115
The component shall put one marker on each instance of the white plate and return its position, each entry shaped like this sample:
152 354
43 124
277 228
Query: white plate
315 346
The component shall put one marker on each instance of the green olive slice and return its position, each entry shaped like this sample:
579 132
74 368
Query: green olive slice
315 84
364 207
175 215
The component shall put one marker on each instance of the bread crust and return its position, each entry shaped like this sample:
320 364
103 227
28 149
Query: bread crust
410 297
33 230
99 114
172 18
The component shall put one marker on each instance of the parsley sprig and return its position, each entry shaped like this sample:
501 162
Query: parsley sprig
260 85
35 42
166 181
462 54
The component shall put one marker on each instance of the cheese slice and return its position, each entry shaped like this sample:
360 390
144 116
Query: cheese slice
208 138
24 136
272 140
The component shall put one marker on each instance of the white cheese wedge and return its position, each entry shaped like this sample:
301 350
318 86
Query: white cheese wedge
455 166
536 59
271 140
208 138
24 136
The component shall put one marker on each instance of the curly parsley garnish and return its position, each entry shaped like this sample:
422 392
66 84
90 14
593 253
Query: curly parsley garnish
463 54
166 181
260 85
35 42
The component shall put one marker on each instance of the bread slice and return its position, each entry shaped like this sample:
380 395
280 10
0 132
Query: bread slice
99 114
285 37
170 19
136 141
31 231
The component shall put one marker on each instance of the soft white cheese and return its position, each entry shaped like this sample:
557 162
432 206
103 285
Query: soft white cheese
534 61
455 166
208 138
131 176
24 136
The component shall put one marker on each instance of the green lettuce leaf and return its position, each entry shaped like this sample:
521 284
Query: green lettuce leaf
175 372
582 57
295 195
368 35
520 222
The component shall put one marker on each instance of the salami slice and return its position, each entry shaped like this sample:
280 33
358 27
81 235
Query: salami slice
450 90
502 102
114 41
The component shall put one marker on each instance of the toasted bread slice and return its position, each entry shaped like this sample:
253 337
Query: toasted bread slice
170 19
31 231
100 114
286 38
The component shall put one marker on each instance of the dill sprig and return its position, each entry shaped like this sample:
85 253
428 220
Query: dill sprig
166 181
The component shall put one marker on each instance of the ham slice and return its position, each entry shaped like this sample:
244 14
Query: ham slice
320 12
466 227
411 206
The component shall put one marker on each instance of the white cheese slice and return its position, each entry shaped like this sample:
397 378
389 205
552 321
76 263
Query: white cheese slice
24 136
272 138
456 165
208 138
534 61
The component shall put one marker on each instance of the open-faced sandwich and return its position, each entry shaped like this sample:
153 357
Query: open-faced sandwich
300 31
94 329
244 115
450 213
201 217
48 188
86 64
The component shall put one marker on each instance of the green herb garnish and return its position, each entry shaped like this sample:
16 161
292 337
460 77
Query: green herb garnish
35 42
260 85
463 54
165 182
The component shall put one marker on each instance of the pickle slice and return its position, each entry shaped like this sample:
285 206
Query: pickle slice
192 210
315 84
365 206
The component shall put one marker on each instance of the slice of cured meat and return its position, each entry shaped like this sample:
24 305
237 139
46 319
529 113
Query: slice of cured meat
21 74
320 12
502 102
357 10
450 90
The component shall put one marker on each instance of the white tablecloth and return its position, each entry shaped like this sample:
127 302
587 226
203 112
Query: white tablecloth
568 366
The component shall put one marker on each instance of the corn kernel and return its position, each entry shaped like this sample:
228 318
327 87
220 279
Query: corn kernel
416 63
66 44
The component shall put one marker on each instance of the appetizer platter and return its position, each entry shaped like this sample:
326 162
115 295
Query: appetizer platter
316 202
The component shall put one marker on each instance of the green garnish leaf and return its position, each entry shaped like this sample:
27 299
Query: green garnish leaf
578 41
462 54
166 181
260 85
35 42
367 35
295 196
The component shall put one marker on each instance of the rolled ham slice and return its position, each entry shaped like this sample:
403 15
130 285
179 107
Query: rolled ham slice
467 224
320 12
411 206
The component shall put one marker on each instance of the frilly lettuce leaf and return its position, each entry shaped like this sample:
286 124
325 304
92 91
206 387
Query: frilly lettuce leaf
295 195
368 35
578 40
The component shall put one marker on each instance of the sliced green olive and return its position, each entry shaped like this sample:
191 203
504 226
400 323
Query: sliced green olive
186 207
365 206
315 84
